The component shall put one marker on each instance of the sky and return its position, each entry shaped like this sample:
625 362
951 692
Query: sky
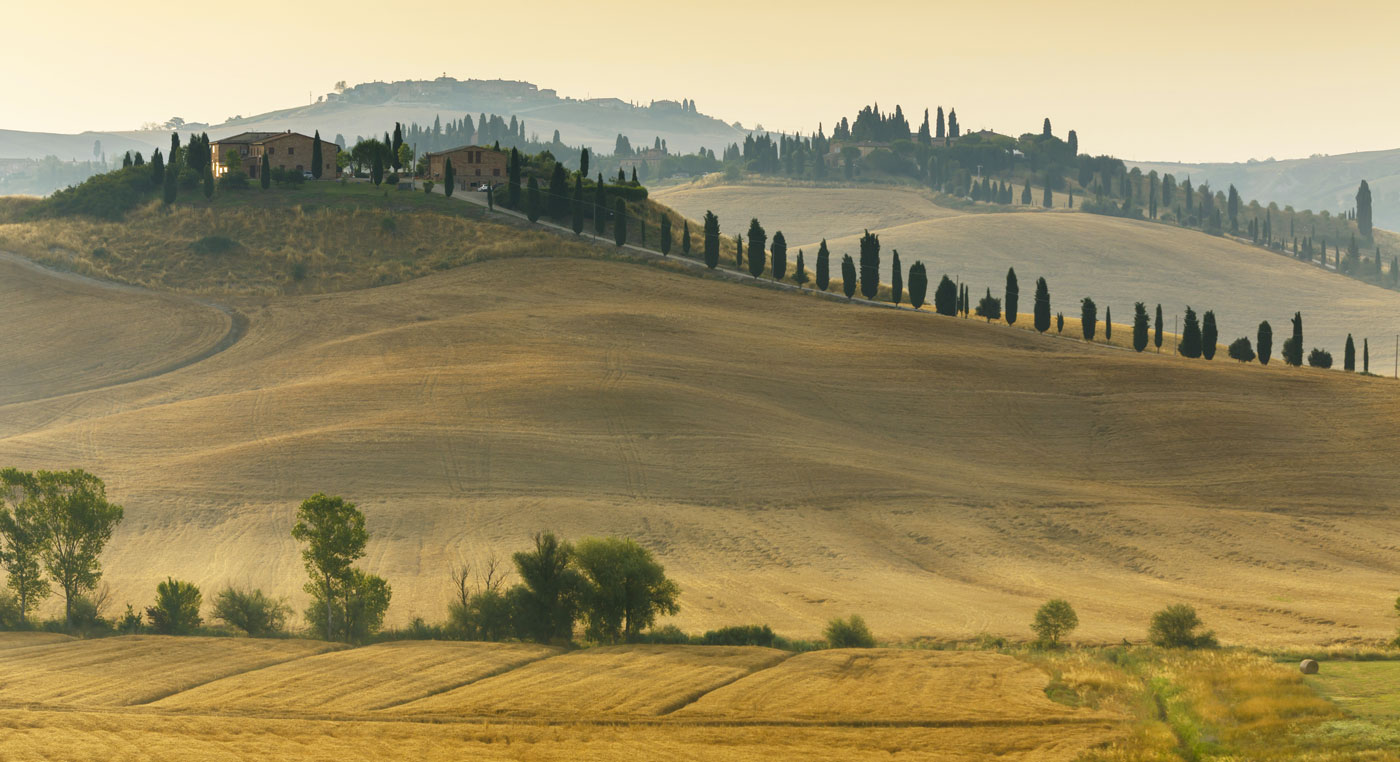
1183 80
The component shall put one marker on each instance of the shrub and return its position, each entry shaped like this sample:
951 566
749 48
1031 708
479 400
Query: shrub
251 611
177 608
357 609
233 181
189 179
1319 358
87 617
1053 621
214 244
849 633
428 186
1241 349
740 635
107 196
667 635
9 612
392 179
488 615
1175 627
130 623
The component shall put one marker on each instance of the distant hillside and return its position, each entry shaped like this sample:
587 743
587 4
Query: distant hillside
372 108
1322 182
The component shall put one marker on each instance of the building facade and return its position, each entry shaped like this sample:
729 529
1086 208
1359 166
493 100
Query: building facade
472 166
285 150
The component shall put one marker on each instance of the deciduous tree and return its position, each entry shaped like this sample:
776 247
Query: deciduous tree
550 592
77 521
333 531
624 589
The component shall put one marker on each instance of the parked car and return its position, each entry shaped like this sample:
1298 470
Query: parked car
483 188
307 174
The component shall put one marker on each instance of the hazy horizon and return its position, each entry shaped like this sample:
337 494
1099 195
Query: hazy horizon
1088 65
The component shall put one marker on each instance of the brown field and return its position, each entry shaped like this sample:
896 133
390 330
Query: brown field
356 680
888 685
136 669
625 681
787 459
1117 262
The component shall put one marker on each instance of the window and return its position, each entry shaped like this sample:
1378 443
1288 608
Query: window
291 151
496 172
478 172
271 151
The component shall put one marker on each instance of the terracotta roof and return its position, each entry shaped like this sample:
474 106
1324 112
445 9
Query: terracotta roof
463 148
249 137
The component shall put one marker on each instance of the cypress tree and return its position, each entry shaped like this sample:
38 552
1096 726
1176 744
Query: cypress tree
823 267
989 307
1013 296
376 171
1059 322
711 240
316 159
264 173
1209 335
962 298
1026 193
449 179
513 177
779 256
666 234
578 205
619 222
738 249
848 275
1108 324
126 160
897 280
799 276
583 163
947 298
1293 346
1363 210
139 161
1157 329
1264 342
918 284
1190 335
558 201
1049 198
758 239
170 188
1088 318
208 182
1365 355
1139 327
157 168
600 209
869 265
532 200
1349 355
685 239
1042 306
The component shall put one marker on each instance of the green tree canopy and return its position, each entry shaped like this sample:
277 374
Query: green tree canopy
758 240
869 265
22 538
624 589
177 608
711 240
549 599
918 284
1190 335
1139 326
1042 305
1053 621
333 530
1264 341
77 522
1088 318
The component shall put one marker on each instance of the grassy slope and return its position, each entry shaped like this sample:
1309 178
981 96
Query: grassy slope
788 459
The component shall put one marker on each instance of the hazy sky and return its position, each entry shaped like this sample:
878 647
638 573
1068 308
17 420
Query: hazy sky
1219 80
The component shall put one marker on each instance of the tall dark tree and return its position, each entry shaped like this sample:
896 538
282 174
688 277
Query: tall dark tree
317 161
989 307
1013 296
558 200
1108 323
1210 335
1365 355
1026 193
157 168
583 163
666 235
1157 329
1264 342
848 275
1088 317
449 179
778 258
578 205
712 240
1363 210
532 200
1048 199
758 241
264 173
947 298
738 249
896 279
1349 355
685 238
376 170
170 188
869 265
799 273
1045 129
1042 306
600 208
208 181
1293 346
823 267
513 169
173 157
1073 142
942 129
1190 345
1139 327
619 222
918 284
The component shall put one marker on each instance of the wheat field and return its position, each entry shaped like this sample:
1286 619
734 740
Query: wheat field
786 458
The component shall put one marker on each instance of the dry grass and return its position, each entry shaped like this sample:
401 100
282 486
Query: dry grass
885 685
356 680
621 681
30 639
131 670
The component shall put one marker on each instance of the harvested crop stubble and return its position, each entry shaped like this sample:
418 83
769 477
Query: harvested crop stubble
357 680
135 669
613 681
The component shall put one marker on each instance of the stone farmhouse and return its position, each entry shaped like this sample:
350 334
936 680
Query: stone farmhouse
287 150
472 166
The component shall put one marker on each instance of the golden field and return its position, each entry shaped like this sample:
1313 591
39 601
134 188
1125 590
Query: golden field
787 459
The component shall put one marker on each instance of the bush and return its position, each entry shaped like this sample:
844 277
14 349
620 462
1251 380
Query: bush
189 179
1241 349
428 186
288 177
740 635
233 181
214 244
392 179
107 196
849 633
1053 621
356 613
668 635
177 608
87 617
9 612
1175 627
1319 358
130 623
488 615
251 611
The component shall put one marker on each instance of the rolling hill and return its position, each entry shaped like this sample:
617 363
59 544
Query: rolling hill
787 458
1115 261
